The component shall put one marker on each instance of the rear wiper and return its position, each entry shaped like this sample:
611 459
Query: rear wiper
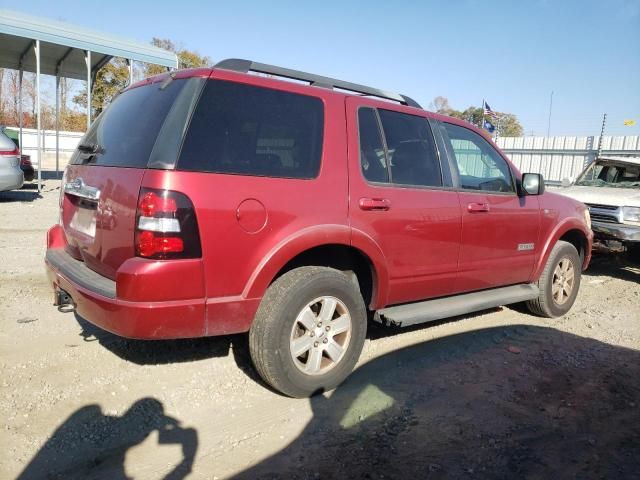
92 148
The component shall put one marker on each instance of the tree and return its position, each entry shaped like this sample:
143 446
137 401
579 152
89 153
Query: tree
186 58
441 105
11 100
110 79
506 123
510 126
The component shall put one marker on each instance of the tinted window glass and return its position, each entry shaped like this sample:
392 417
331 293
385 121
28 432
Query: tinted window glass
480 166
127 130
372 158
251 130
410 146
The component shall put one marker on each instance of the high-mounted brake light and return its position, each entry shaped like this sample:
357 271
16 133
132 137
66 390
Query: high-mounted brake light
166 226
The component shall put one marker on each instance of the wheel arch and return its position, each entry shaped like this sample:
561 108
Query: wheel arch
571 231
327 246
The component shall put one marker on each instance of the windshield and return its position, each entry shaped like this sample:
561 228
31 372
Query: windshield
611 175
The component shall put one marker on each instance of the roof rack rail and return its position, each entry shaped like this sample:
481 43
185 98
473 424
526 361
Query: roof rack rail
245 66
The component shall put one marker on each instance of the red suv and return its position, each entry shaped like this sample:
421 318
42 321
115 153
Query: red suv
215 201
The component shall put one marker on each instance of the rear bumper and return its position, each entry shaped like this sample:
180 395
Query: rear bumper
11 179
624 233
148 300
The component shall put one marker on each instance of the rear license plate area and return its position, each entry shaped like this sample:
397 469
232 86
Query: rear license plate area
84 221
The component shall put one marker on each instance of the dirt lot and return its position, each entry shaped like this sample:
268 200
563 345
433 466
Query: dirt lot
501 394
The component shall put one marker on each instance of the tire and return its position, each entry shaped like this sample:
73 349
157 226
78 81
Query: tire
633 252
289 319
559 282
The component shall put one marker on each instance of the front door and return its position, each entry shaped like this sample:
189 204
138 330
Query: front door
499 228
402 199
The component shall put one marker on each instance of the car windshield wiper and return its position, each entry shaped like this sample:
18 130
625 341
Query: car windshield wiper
92 148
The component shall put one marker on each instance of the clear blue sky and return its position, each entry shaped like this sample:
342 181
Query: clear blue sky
513 53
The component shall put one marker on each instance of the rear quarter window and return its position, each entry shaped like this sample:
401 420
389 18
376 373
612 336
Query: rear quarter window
249 130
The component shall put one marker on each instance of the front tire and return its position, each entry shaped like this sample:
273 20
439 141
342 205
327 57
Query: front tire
309 331
559 282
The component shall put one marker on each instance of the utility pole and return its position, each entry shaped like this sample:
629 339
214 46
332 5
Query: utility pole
550 107
604 121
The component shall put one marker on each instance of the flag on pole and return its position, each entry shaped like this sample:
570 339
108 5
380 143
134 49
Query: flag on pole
488 112
629 123
489 127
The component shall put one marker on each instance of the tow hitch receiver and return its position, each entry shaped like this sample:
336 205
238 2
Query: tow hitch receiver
63 301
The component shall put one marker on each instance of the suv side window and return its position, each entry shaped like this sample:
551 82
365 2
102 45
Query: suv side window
248 130
480 166
406 153
373 160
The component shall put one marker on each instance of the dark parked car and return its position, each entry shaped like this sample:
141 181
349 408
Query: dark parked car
213 201
27 168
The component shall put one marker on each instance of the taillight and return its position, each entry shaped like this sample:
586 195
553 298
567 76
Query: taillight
9 153
14 162
166 225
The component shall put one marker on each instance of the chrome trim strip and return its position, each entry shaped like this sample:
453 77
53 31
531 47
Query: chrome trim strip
80 189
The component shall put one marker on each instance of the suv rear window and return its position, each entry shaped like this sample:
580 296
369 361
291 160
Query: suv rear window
127 130
248 130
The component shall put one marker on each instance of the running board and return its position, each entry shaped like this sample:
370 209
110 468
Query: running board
430 310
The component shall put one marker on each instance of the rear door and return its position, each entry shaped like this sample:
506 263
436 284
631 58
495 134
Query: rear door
103 179
402 198
499 228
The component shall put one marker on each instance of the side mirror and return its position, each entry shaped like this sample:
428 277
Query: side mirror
532 184
566 182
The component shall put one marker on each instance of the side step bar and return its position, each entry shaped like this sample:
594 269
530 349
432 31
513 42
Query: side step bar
430 310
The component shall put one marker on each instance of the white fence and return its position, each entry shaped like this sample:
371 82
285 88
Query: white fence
563 157
555 157
68 142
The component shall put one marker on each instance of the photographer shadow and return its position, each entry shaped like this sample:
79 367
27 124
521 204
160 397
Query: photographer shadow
91 444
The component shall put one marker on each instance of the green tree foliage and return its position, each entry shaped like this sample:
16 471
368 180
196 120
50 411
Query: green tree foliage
114 76
186 58
110 79
507 123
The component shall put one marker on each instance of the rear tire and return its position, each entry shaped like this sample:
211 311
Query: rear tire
633 252
309 331
559 282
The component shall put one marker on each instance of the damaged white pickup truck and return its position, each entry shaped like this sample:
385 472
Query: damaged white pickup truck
610 187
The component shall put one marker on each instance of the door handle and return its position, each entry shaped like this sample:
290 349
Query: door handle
374 204
477 207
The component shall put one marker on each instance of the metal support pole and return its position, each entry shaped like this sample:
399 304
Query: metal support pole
550 107
87 58
604 121
482 121
38 113
20 120
57 122
130 64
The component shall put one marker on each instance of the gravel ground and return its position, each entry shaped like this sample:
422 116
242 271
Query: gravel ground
493 395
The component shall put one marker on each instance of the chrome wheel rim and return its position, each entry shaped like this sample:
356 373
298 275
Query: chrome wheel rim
563 281
320 335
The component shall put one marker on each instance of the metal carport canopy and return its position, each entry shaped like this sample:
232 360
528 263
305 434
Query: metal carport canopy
41 45
60 41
